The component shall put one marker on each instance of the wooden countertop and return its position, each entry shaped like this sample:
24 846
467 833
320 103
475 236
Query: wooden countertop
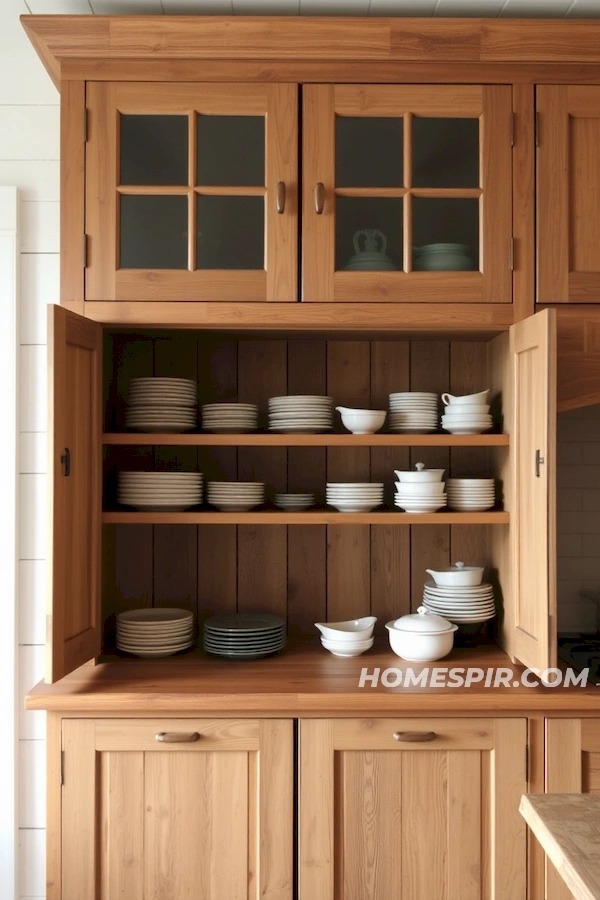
302 680
568 828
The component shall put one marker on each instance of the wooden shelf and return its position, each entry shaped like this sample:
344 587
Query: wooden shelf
310 517
257 439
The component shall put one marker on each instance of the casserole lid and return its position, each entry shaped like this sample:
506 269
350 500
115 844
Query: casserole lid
423 622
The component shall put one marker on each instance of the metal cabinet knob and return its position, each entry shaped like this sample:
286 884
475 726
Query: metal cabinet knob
414 737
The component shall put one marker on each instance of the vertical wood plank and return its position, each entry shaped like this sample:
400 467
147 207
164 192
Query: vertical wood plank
348 572
276 833
496 168
508 783
316 792
282 165
228 826
262 373
553 194
53 807
430 544
307 545
121 825
72 194
390 544
424 844
464 833
79 810
564 775
101 180
523 200
318 165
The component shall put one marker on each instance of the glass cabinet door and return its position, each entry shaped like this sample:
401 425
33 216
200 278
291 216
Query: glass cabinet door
192 192
407 193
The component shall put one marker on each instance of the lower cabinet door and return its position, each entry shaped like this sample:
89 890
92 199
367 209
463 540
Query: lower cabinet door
407 809
162 809
572 767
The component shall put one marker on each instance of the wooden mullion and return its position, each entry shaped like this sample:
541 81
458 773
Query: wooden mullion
447 193
225 190
370 192
407 229
155 190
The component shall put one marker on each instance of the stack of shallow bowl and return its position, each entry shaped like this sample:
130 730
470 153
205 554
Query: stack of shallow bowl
302 413
160 491
413 412
235 496
162 404
155 632
244 635
469 414
459 595
354 497
471 494
294 502
229 418
420 490
350 638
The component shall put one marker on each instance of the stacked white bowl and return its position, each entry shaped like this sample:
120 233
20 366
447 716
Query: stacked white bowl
413 412
301 413
162 404
469 414
471 494
362 421
155 632
349 638
235 496
354 497
459 595
160 491
420 490
229 418
294 502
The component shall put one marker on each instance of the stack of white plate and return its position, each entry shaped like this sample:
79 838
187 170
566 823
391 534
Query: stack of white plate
162 404
461 605
235 496
294 502
303 413
471 494
244 635
354 497
469 414
155 632
420 490
161 491
229 418
413 412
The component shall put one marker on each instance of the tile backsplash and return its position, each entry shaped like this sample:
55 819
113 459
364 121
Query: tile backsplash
578 517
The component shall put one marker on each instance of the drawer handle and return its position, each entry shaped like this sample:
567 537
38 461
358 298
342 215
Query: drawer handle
414 737
177 737
280 203
319 197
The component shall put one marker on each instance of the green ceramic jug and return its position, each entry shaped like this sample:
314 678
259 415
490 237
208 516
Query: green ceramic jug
371 256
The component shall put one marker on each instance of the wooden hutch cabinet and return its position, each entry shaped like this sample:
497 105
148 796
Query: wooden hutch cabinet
331 206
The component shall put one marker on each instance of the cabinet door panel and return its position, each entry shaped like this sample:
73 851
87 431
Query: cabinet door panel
568 183
211 818
572 767
380 818
407 193
192 192
75 428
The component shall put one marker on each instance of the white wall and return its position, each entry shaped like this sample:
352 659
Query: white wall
29 152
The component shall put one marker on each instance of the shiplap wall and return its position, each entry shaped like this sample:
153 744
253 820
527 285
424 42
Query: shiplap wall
29 151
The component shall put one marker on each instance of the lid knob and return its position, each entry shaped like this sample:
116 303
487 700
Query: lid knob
419 467
459 565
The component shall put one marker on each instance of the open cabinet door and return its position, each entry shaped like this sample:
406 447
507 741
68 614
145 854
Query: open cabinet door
75 491
533 503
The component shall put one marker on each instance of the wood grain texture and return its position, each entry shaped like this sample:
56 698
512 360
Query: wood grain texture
53 807
72 195
523 200
121 824
79 811
565 774
257 439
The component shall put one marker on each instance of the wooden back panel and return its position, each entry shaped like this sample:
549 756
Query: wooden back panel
305 573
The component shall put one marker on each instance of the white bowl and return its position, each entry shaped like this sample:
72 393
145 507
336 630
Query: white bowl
469 399
466 409
348 645
458 575
362 421
348 630
419 475
419 489
351 506
347 651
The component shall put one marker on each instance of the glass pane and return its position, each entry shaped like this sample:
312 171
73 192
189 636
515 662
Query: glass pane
368 233
231 150
154 150
445 234
368 152
231 233
445 152
154 232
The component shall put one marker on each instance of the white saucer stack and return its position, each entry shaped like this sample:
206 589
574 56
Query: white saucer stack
471 494
229 418
162 405
413 412
302 413
295 502
354 497
155 632
235 496
160 491
462 605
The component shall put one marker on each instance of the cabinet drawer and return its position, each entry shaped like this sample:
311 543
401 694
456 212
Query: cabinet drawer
413 734
192 735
